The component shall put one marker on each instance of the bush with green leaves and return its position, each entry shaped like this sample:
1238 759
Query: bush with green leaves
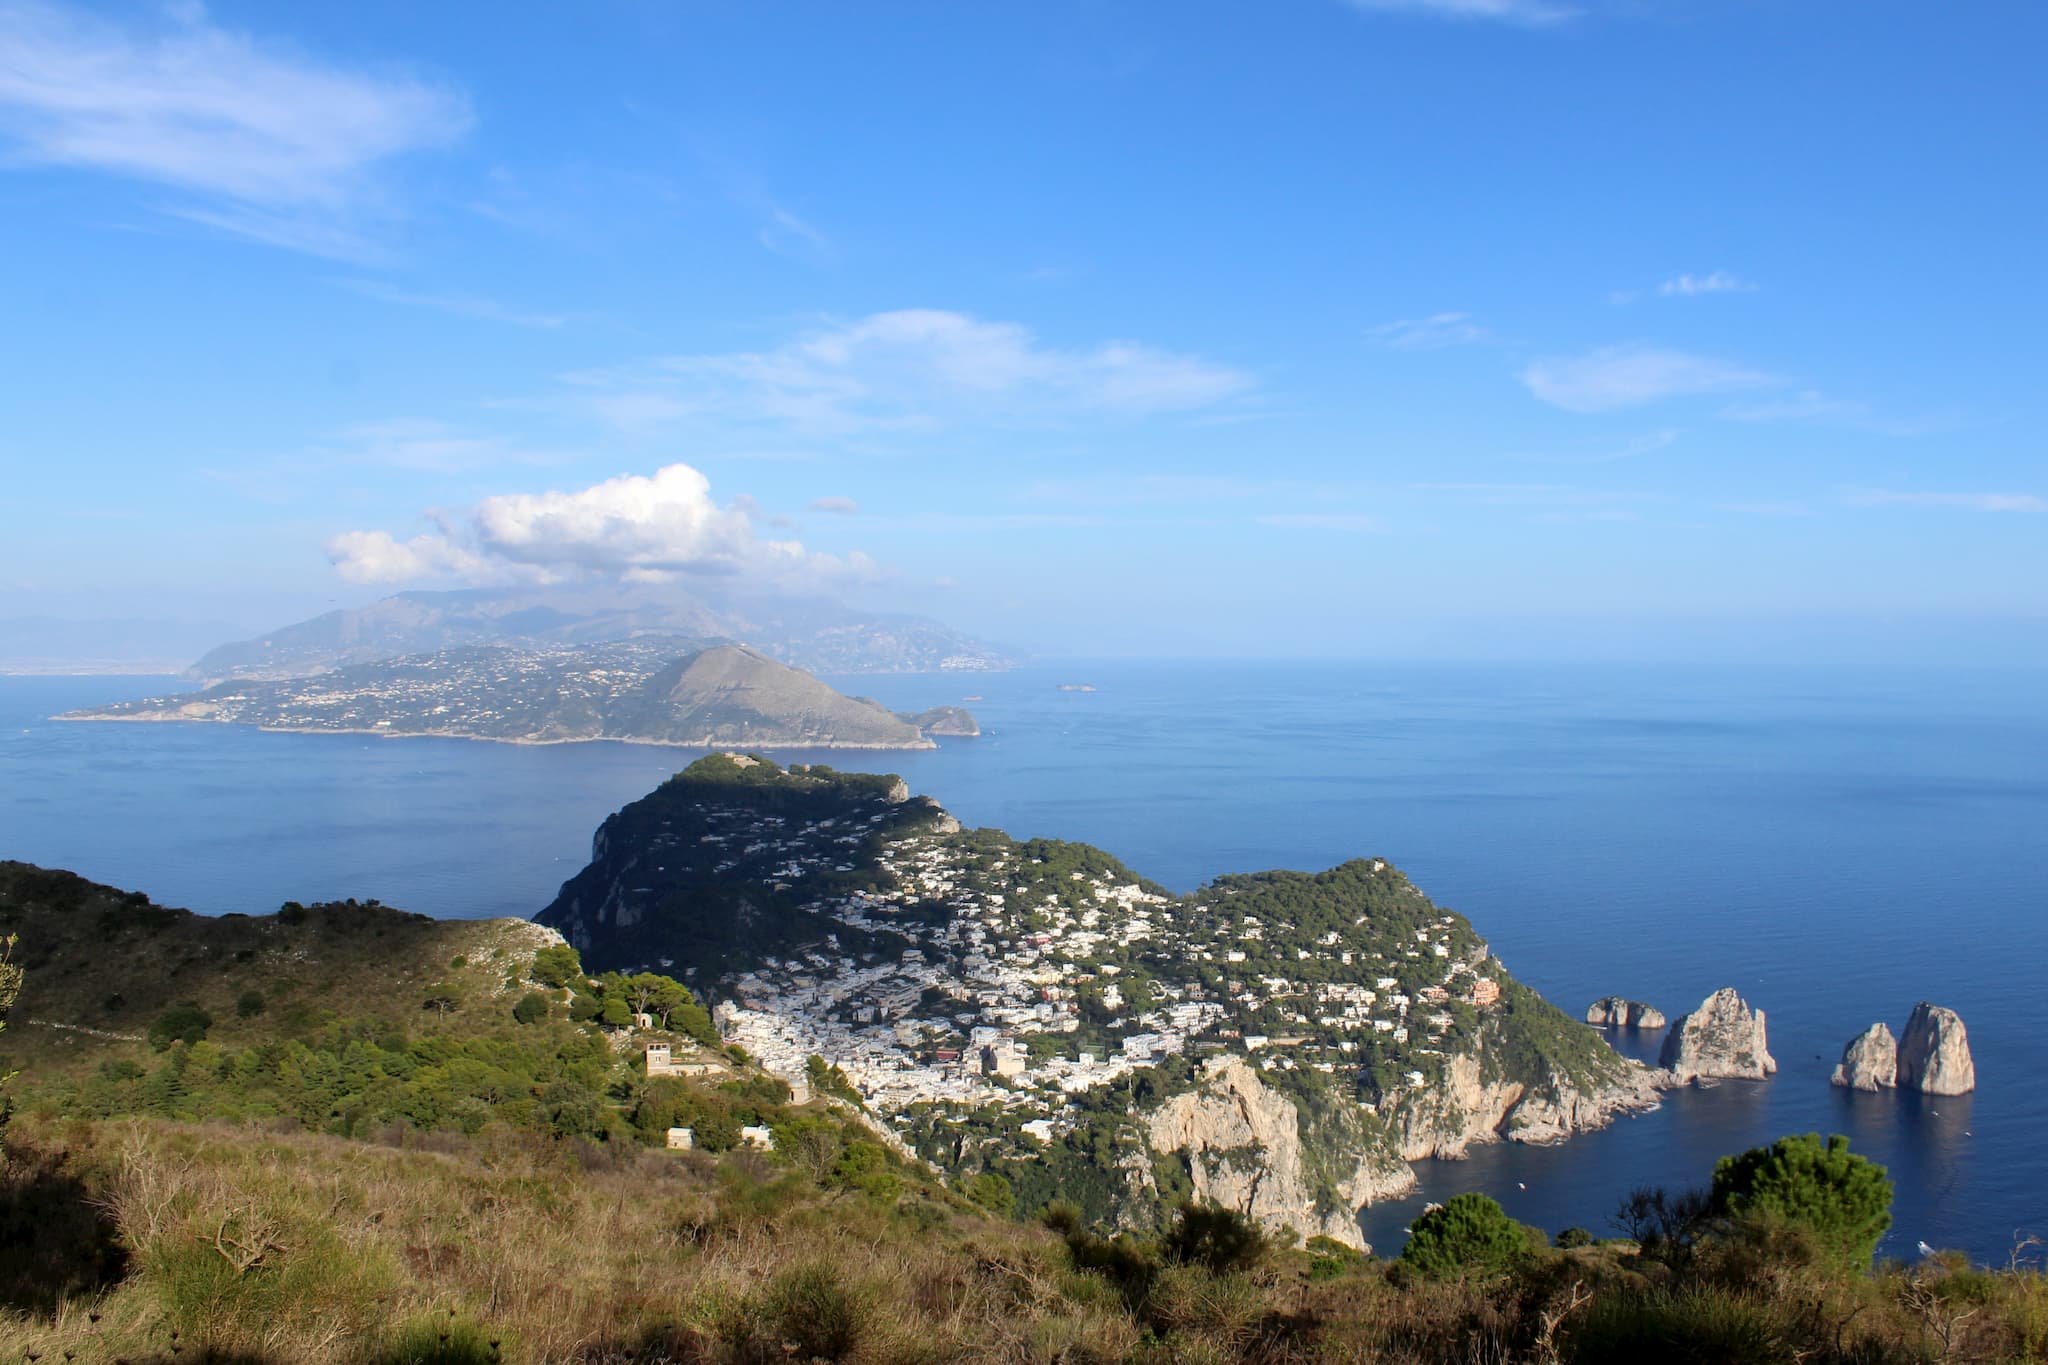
1842 1200
531 1009
186 1023
993 1193
1208 1234
557 965
249 1004
1468 1234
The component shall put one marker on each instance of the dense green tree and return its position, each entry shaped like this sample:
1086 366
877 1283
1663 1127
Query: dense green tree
1467 1234
531 1009
557 965
183 1023
993 1193
1842 1200
249 1004
652 993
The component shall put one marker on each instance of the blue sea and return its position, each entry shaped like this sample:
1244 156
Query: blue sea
1836 846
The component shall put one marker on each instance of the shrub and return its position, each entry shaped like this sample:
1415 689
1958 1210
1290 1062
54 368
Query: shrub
531 1009
186 1023
812 1308
1691 1325
557 965
1843 1200
249 1004
1210 1235
993 1193
1572 1238
442 1339
1467 1234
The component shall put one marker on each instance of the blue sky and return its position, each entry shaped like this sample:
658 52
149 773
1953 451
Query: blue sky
1307 327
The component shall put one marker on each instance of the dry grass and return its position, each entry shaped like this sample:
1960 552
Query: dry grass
148 1241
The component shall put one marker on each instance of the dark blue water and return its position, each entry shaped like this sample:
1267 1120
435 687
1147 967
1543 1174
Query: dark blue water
1835 846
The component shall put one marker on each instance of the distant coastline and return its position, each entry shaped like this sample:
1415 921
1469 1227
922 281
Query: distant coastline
494 739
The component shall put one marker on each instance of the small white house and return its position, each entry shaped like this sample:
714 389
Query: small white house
681 1139
758 1136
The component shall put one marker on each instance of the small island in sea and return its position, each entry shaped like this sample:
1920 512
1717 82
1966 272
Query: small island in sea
650 691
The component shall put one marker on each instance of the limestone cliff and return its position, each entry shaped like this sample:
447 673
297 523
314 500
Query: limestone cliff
1241 1143
1723 1038
1870 1061
1934 1055
1467 1105
1612 1011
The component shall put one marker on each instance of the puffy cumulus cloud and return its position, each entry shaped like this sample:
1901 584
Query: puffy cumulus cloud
1631 376
909 369
637 527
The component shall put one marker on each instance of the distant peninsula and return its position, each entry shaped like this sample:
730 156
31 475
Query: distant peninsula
654 691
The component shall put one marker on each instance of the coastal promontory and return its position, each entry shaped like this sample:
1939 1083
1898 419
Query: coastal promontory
1722 1039
1281 1042
651 691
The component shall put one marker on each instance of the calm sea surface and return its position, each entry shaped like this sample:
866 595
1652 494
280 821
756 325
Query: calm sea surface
1835 846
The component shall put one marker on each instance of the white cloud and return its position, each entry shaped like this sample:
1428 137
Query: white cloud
1974 502
1630 376
917 368
1717 282
461 305
1428 334
429 446
633 527
1352 522
1533 12
280 146
845 507
1607 453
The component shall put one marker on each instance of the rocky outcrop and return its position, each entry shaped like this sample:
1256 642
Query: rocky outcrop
1446 1118
1722 1039
1870 1061
1612 1011
1241 1141
1934 1054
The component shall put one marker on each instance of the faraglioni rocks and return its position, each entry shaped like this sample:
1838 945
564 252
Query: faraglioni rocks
1870 1061
1612 1011
1934 1055
1722 1039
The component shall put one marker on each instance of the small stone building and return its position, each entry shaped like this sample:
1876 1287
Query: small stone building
660 1061
758 1136
681 1139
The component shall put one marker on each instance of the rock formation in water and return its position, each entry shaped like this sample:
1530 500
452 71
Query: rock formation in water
1934 1054
1612 1011
1722 1039
1870 1061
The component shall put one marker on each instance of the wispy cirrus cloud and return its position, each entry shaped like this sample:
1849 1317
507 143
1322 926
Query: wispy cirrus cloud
266 142
460 305
838 506
1350 523
1615 377
1529 12
1645 444
1432 333
912 369
634 527
1714 282
1971 502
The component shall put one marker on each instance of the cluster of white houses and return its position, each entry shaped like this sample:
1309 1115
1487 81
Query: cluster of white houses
984 1005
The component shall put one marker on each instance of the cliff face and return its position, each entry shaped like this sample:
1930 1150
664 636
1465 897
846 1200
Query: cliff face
1870 1061
1934 1056
1612 1011
1241 1143
1467 1107
1723 1038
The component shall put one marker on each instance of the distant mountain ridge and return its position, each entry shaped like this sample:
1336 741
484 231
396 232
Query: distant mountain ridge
655 691
821 637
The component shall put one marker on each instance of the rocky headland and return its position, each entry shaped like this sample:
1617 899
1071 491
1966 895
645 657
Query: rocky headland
1284 1043
649 691
1612 1011
1721 1040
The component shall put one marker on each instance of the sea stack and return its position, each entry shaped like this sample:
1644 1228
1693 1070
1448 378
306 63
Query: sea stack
1722 1039
1934 1055
1870 1061
1612 1011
